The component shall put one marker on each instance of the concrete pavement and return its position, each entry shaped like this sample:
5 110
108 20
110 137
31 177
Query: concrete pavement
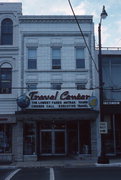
62 163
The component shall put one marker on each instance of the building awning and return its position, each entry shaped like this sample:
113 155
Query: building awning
38 115
7 118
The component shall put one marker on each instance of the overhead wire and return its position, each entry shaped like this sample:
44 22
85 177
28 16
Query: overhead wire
105 88
83 36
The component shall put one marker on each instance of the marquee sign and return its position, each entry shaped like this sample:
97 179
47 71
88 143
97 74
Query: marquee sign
73 99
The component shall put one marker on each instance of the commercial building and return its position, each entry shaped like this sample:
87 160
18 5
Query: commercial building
48 86
111 64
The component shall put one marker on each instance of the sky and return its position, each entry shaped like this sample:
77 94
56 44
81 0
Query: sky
111 26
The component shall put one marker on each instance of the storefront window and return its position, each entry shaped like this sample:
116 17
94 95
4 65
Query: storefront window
109 137
113 137
5 138
85 137
29 138
72 136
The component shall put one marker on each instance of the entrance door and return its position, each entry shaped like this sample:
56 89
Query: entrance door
52 142
46 142
59 142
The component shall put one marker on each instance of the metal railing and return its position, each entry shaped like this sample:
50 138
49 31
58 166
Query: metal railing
108 48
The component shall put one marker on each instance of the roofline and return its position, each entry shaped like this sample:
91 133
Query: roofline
55 18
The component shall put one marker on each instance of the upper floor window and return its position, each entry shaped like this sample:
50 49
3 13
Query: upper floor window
7 32
5 79
32 58
80 59
56 58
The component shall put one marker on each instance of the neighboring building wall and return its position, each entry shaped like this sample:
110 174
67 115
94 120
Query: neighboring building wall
9 75
111 64
111 75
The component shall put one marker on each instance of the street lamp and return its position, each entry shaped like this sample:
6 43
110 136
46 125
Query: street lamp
102 159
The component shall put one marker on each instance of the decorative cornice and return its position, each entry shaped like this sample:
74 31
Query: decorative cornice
55 19
56 71
53 33
8 48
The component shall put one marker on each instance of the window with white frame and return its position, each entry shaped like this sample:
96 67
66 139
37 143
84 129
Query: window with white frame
56 58
7 32
5 79
56 86
32 58
80 58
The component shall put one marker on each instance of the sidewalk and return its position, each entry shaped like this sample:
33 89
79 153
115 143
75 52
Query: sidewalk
62 163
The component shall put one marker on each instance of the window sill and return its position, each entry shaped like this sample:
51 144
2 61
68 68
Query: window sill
57 70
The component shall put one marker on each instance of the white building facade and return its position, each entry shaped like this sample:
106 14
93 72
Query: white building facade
48 98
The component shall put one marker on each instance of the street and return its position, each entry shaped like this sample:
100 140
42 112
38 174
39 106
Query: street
58 173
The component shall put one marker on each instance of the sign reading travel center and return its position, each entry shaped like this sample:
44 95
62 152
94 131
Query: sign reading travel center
60 100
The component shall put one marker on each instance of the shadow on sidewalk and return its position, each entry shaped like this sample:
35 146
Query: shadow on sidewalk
5 162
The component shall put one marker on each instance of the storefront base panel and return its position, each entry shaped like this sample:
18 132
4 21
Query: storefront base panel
6 158
58 136
30 157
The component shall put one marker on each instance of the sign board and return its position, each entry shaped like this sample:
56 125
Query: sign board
103 128
61 99
112 102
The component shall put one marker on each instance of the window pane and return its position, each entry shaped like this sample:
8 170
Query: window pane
56 58
32 63
29 138
5 80
79 53
56 86
80 86
80 59
32 58
32 54
80 63
7 32
31 86
56 53
5 138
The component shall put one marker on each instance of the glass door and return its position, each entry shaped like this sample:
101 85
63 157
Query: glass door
59 140
52 142
46 142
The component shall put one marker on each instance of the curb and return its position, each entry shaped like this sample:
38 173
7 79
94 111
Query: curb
8 167
61 166
108 165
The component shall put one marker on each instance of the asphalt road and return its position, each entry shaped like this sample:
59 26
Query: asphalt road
93 173
4 173
88 174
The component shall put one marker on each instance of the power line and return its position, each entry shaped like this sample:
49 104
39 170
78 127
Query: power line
83 36
73 87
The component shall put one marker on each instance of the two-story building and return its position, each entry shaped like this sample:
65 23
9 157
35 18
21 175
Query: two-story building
48 88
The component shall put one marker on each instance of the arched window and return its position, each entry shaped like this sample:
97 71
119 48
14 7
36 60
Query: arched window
7 32
5 79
